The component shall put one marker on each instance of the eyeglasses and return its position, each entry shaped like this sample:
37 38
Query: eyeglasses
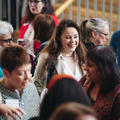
34 1
7 40
105 34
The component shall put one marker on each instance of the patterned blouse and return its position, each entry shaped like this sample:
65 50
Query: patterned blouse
108 106
29 101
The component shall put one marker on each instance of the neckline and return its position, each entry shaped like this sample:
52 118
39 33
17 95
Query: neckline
67 55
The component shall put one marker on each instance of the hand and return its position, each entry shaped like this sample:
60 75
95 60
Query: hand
10 111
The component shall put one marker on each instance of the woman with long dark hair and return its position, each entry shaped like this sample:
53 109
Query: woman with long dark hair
103 82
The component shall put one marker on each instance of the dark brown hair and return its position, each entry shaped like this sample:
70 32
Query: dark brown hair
14 56
44 27
55 46
105 59
64 90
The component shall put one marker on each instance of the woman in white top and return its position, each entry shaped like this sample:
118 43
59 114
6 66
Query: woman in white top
64 54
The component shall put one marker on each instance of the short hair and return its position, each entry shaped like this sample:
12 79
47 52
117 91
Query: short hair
5 28
88 25
71 111
44 27
13 56
66 89
105 59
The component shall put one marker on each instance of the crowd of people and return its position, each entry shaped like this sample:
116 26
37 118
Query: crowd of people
59 70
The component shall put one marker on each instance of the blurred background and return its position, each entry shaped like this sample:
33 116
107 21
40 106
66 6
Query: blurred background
77 10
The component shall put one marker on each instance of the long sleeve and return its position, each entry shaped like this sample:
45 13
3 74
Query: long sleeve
40 76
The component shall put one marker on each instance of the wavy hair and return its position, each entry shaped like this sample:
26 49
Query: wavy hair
55 46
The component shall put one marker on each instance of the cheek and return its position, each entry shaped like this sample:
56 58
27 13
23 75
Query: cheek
77 41
93 73
64 42
18 80
39 8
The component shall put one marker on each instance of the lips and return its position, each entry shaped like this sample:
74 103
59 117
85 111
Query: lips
25 83
72 45
33 9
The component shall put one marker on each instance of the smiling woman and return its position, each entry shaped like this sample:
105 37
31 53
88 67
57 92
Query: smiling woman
64 54
103 82
6 33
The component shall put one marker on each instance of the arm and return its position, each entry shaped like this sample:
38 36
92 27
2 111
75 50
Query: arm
116 109
40 74
10 111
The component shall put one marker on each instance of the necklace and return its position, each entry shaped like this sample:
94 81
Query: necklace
67 55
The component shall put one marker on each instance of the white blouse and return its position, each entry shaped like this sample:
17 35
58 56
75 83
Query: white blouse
62 67
28 40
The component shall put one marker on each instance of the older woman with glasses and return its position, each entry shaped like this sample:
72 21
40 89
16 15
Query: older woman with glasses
94 32
26 36
6 31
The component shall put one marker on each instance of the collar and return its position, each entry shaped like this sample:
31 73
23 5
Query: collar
62 57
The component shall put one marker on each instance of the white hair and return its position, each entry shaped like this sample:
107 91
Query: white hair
97 23
5 28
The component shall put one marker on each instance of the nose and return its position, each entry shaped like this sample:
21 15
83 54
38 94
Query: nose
10 43
72 39
27 76
107 37
85 67
33 3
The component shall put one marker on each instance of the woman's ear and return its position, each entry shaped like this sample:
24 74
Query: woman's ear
6 73
93 34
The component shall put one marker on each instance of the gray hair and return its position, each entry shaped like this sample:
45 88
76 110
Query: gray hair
96 24
89 25
5 28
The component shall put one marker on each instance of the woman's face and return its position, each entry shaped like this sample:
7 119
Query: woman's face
102 37
19 77
6 39
35 6
93 73
69 40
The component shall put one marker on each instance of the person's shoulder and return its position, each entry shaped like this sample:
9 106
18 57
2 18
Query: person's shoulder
43 55
115 38
30 85
31 88
116 34
55 19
